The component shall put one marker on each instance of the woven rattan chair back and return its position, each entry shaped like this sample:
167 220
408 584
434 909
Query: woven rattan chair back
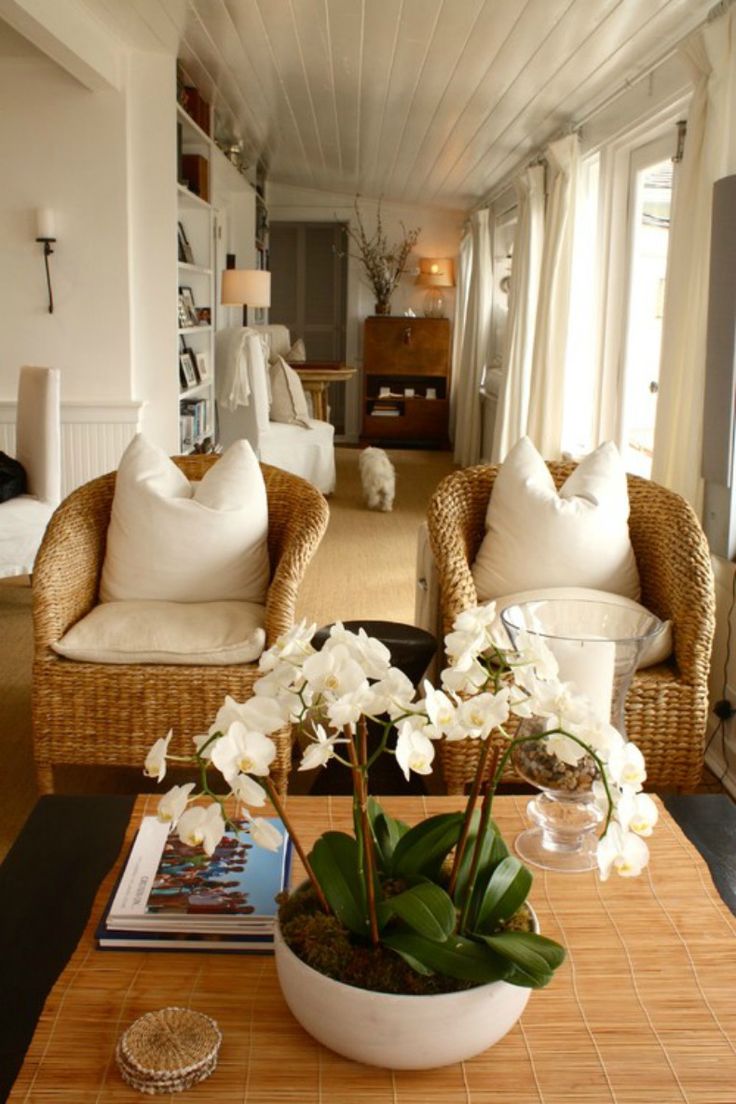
108 715
667 706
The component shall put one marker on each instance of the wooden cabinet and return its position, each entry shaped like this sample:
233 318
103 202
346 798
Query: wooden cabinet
406 381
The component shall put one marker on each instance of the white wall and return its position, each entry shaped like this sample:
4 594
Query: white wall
440 237
64 148
721 750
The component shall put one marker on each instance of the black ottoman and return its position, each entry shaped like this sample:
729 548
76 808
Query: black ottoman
411 651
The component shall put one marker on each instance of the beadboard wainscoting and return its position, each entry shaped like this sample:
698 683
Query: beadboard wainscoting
93 437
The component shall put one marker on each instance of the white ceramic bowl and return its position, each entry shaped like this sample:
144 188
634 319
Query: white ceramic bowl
397 1032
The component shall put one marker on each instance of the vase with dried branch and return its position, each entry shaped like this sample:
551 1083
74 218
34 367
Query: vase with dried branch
383 263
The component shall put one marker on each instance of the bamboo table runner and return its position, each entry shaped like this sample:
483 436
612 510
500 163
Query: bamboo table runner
642 1012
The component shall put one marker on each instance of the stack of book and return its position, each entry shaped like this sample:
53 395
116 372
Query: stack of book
174 897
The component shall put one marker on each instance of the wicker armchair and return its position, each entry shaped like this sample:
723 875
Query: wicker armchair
667 705
108 715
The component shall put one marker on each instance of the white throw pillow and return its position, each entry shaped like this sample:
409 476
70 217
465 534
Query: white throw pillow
288 401
656 650
297 353
173 541
537 537
192 633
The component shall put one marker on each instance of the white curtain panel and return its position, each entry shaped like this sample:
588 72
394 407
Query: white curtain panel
462 290
710 153
472 349
513 401
546 403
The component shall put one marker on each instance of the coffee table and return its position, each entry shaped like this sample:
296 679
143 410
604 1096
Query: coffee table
644 1012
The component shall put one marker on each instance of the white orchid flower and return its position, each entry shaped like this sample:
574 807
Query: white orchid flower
373 656
240 750
248 791
537 654
468 681
414 751
478 716
637 812
172 804
476 620
155 764
393 694
201 826
259 714
564 749
348 709
321 750
557 699
626 766
463 648
600 735
294 645
440 709
263 833
333 673
203 745
622 851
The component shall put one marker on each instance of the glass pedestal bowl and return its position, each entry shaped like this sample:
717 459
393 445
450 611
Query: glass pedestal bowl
597 645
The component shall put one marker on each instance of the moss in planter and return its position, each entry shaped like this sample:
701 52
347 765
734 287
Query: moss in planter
324 944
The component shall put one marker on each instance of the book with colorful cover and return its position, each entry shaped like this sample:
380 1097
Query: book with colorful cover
170 887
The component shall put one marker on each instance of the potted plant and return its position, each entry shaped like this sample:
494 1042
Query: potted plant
382 263
409 946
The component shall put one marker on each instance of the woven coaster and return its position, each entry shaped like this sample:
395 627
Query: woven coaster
169 1050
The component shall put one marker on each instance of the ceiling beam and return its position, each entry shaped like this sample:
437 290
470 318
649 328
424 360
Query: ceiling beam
67 34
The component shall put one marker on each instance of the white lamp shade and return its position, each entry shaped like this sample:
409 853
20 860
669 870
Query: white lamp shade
245 287
45 227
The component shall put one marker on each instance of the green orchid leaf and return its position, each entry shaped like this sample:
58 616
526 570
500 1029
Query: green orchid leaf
334 860
535 958
457 957
387 831
505 893
493 851
426 908
423 848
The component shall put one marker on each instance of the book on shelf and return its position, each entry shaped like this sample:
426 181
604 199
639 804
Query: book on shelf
171 896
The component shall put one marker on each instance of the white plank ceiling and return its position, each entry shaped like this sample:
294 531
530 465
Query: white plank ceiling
431 101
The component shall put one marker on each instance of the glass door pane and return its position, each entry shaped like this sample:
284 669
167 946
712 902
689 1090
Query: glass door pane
650 203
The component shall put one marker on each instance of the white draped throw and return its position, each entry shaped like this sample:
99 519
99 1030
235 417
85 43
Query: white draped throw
513 401
710 153
546 403
471 346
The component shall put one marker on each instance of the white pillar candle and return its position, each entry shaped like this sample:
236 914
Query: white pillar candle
45 223
589 666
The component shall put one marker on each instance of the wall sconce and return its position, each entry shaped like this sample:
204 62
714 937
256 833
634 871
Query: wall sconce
435 275
45 233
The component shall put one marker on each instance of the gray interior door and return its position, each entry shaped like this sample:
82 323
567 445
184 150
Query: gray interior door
308 293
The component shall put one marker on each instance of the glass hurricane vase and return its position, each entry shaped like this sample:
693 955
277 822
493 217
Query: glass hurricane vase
597 645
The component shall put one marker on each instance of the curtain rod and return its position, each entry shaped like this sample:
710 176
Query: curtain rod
576 125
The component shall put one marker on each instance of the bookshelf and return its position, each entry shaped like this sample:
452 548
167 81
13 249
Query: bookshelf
195 277
406 381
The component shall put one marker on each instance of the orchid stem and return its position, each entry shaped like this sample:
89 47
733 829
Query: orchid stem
469 810
485 816
360 771
281 810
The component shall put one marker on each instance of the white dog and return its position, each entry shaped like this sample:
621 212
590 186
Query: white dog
378 478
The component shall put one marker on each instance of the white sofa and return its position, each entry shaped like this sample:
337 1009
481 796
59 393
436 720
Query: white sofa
23 519
243 411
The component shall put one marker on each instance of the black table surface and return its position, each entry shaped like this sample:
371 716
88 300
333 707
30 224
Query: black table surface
50 877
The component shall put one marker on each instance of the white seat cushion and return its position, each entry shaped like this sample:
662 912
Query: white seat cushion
192 633
656 650
23 521
170 540
310 455
539 537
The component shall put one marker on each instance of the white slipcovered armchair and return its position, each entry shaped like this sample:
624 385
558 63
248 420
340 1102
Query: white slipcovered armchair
243 403
23 519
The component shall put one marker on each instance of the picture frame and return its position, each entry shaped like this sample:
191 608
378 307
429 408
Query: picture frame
186 300
187 370
186 254
203 366
204 316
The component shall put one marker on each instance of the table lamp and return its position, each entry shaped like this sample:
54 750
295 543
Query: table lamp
435 275
246 287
